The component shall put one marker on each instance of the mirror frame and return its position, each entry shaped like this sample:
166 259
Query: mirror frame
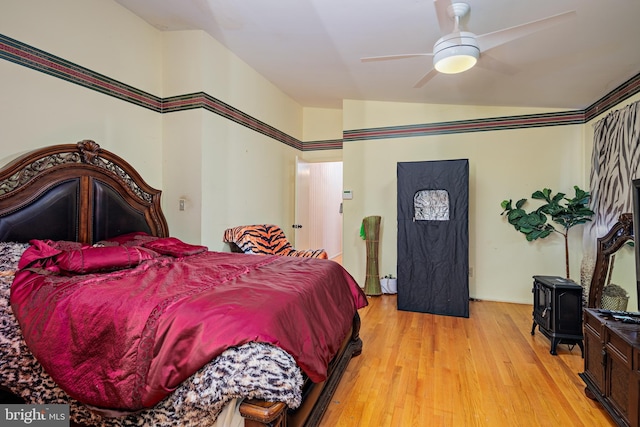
618 235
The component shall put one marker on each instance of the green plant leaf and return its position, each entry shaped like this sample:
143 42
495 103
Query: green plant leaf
538 195
536 234
580 194
523 221
515 215
545 233
535 218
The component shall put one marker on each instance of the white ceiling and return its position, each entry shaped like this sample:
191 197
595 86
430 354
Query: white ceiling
311 49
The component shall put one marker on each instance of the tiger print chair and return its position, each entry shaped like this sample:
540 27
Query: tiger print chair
265 239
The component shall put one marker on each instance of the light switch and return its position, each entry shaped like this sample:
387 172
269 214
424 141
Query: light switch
181 204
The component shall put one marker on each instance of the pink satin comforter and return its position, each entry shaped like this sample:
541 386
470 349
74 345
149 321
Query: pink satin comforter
127 338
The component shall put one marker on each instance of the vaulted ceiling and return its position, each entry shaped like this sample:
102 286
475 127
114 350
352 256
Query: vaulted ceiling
312 49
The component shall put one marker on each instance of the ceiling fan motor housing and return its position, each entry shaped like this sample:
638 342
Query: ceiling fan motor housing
455 52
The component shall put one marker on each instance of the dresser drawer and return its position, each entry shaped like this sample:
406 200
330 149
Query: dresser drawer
595 325
616 344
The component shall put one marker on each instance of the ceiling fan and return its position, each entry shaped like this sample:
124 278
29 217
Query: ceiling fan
460 50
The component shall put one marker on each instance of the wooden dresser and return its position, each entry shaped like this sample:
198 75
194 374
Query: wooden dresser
612 365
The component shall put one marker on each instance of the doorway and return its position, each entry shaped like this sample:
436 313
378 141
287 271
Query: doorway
318 213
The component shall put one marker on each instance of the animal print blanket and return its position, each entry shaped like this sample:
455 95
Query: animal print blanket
253 370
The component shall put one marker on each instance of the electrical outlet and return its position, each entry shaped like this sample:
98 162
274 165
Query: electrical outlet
181 204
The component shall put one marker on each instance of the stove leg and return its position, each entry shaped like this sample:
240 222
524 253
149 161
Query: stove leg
533 328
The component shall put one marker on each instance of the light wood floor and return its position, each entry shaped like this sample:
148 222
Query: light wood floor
424 370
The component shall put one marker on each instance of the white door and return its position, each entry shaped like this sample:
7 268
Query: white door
303 184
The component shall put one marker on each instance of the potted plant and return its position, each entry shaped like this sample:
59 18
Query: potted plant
564 211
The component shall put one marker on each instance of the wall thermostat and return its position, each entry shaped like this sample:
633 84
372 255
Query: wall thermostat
347 195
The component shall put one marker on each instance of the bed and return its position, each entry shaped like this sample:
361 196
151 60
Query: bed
67 208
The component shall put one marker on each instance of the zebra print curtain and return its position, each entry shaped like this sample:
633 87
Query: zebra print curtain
614 163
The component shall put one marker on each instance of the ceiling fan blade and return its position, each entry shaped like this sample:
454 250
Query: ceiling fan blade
494 39
390 57
423 81
444 19
488 62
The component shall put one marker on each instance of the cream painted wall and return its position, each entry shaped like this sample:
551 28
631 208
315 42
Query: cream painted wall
182 171
228 174
321 124
195 62
247 179
500 167
96 34
39 110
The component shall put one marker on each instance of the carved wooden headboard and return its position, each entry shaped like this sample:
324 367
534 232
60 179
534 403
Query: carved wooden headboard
77 192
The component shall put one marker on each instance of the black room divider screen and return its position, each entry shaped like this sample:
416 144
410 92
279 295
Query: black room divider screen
433 237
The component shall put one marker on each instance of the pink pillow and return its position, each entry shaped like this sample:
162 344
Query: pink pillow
96 259
174 247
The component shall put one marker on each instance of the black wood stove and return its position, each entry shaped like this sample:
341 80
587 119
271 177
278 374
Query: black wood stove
557 310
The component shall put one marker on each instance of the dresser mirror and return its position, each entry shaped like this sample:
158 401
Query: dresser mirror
615 264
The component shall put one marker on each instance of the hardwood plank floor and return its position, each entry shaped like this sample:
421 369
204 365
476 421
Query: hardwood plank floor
422 370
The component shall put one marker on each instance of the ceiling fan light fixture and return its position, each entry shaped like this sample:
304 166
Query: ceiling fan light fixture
456 53
456 62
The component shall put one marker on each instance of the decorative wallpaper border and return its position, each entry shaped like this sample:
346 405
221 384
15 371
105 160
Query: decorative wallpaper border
465 126
327 144
209 103
39 60
616 96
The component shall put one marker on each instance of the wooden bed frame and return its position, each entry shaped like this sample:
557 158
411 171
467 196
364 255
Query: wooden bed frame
81 192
